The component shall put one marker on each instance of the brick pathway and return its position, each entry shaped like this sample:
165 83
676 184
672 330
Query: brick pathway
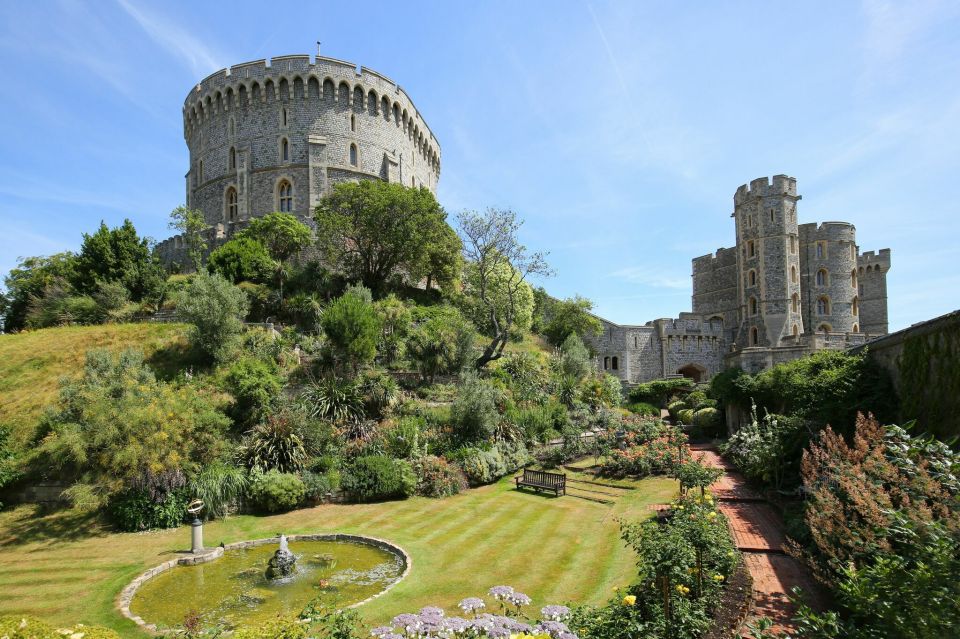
758 532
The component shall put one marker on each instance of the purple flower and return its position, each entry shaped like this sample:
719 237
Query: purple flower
498 632
455 625
501 592
381 631
567 635
555 613
408 622
431 611
518 599
554 628
472 604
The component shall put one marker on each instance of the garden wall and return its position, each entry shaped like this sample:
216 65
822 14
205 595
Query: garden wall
923 362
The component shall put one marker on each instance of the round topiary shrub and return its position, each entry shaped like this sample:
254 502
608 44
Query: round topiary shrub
377 477
685 416
276 492
707 419
695 399
643 409
675 407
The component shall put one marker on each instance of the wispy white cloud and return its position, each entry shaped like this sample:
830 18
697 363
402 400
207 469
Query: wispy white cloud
175 39
653 277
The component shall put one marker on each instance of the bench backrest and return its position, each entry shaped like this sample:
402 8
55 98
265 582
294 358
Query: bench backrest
544 478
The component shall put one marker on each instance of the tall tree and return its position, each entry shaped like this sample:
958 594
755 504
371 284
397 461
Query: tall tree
378 231
192 225
498 268
283 235
569 317
118 255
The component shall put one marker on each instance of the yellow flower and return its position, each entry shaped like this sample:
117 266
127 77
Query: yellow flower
718 577
682 589
629 600
712 515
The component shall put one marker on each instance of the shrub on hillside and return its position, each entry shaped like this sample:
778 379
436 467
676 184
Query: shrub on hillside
380 392
643 409
602 390
486 466
274 444
377 477
352 327
474 412
675 407
276 492
255 386
685 416
221 487
216 309
339 400
436 477
137 510
442 341
573 358
319 486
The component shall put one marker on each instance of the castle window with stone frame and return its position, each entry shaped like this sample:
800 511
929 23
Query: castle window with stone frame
823 305
752 277
232 205
232 127
795 303
796 331
753 306
771 215
353 122
354 155
855 306
284 150
285 196
821 249
793 274
232 162
823 278
615 363
283 117
793 244
751 248
754 336
856 328
606 363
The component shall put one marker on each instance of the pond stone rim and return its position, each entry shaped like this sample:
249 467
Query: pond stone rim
127 594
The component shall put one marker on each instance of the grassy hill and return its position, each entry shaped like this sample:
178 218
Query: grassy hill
32 363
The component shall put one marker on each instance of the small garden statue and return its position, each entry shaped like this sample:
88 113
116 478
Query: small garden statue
283 561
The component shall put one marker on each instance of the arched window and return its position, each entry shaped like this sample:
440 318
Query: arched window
753 306
793 274
855 307
856 328
353 122
231 204
606 363
795 303
822 277
751 248
283 116
853 278
353 155
821 249
615 364
823 306
233 159
232 128
752 278
796 331
285 196
754 336
284 150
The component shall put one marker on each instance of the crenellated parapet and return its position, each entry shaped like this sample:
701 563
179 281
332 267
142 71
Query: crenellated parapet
782 185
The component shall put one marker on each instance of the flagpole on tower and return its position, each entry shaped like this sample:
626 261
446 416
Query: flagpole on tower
318 48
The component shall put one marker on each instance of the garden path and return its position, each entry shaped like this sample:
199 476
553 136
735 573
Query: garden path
758 532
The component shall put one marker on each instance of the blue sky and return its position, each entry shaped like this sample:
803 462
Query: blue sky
618 130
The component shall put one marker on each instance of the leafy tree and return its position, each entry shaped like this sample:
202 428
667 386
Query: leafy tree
242 259
570 317
474 411
497 270
119 255
283 235
574 358
377 231
29 279
352 327
192 225
255 386
216 308
118 429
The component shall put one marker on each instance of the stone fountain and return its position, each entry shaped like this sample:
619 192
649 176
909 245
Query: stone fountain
283 561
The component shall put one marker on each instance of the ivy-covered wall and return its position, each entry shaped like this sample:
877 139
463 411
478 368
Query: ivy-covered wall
924 362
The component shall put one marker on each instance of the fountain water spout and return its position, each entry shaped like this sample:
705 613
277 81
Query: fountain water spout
283 561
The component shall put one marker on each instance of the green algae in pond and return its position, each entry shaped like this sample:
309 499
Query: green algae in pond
233 589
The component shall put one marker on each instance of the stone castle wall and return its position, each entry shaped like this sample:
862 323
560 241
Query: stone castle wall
255 127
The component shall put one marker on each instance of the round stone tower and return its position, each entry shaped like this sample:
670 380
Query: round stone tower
768 262
830 276
274 135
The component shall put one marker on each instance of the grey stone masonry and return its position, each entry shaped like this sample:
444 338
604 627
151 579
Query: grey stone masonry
275 135
783 291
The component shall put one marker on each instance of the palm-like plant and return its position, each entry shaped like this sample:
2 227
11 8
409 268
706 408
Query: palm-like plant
274 445
338 400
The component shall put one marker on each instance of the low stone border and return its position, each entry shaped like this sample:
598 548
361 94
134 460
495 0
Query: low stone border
126 595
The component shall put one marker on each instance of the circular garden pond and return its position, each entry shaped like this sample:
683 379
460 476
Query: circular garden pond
234 589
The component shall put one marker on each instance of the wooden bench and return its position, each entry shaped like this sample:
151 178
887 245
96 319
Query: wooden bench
542 480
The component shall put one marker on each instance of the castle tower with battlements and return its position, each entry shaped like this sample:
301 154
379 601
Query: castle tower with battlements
275 135
784 290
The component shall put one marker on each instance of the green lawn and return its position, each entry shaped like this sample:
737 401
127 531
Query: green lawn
32 363
67 569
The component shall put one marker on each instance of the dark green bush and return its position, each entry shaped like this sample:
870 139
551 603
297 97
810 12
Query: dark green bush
319 485
274 444
377 477
474 412
709 420
643 409
255 386
659 391
136 510
276 492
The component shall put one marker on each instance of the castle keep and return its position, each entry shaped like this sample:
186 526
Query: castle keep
783 291
274 135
